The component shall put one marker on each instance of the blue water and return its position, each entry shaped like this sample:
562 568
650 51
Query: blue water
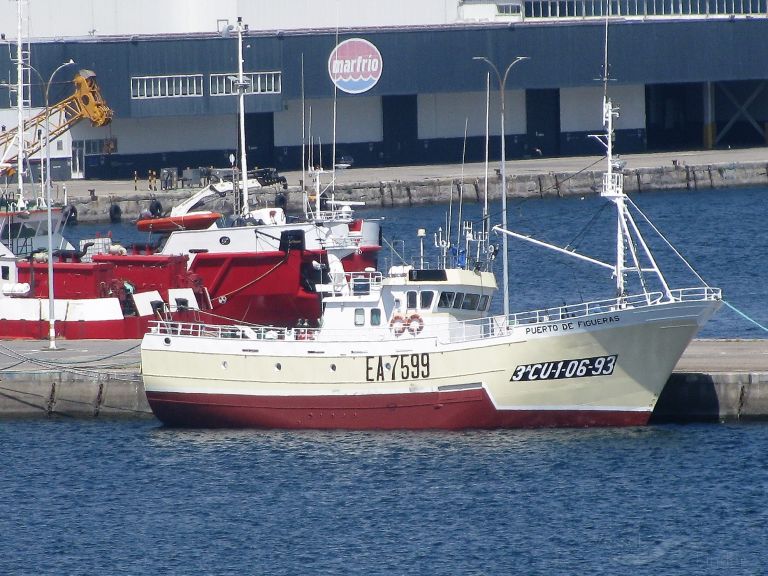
720 232
131 497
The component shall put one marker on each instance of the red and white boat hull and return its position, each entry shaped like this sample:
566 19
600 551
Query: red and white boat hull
605 370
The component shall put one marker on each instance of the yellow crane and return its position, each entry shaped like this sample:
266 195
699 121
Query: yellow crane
86 102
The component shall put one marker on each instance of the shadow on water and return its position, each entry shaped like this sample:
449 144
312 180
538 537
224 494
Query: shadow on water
688 398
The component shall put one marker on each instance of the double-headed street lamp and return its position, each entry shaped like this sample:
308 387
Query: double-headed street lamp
51 307
502 83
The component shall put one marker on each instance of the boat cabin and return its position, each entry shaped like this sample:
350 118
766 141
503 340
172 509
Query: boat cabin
408 303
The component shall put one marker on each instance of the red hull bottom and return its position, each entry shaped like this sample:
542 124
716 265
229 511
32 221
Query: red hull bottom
438 411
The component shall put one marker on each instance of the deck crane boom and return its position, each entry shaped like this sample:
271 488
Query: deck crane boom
86 102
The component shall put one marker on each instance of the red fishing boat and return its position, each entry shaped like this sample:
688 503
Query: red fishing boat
111 295
263 274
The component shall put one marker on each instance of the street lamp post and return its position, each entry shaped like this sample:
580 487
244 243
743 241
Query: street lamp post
505 258
241 87
51 307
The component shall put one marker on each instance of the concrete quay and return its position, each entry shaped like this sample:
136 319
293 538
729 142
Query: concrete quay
432 184
80 378
715 380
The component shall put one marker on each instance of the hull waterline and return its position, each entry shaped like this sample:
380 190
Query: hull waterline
429 411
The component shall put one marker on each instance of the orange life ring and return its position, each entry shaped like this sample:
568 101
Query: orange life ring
397 324
415 324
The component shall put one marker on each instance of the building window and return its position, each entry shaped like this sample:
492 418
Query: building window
508 9
178 86
99 147
256 83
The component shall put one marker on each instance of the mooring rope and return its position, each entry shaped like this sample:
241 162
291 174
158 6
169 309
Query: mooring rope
743 315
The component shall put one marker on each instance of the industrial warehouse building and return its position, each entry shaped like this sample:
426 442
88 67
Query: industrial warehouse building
686 74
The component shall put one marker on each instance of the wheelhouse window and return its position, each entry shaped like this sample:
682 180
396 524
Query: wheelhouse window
425 299
446 299
459 299
470 302
375 317
484 299
359 316
411 299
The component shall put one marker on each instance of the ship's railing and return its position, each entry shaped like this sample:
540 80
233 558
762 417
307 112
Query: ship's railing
333 241
356 283
343 214
495 326
612 304
241 332
451 330
613 184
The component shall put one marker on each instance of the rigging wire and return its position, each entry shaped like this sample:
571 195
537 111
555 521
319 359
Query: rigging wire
667 242
393 249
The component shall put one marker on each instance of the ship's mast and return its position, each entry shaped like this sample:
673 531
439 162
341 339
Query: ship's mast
630 244
613 189
628 236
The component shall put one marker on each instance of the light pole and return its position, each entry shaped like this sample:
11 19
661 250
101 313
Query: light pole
502 83
241 87
51 307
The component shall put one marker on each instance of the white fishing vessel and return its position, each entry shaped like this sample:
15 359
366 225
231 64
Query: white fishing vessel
418 349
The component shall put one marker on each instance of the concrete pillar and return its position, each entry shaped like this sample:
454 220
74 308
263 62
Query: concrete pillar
710 124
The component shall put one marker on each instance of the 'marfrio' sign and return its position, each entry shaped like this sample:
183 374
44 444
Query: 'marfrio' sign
355 66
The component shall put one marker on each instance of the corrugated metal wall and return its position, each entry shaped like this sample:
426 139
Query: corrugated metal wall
426 61
431 72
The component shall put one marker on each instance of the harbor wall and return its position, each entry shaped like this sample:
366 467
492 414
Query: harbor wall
26 393
688 396
391 193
